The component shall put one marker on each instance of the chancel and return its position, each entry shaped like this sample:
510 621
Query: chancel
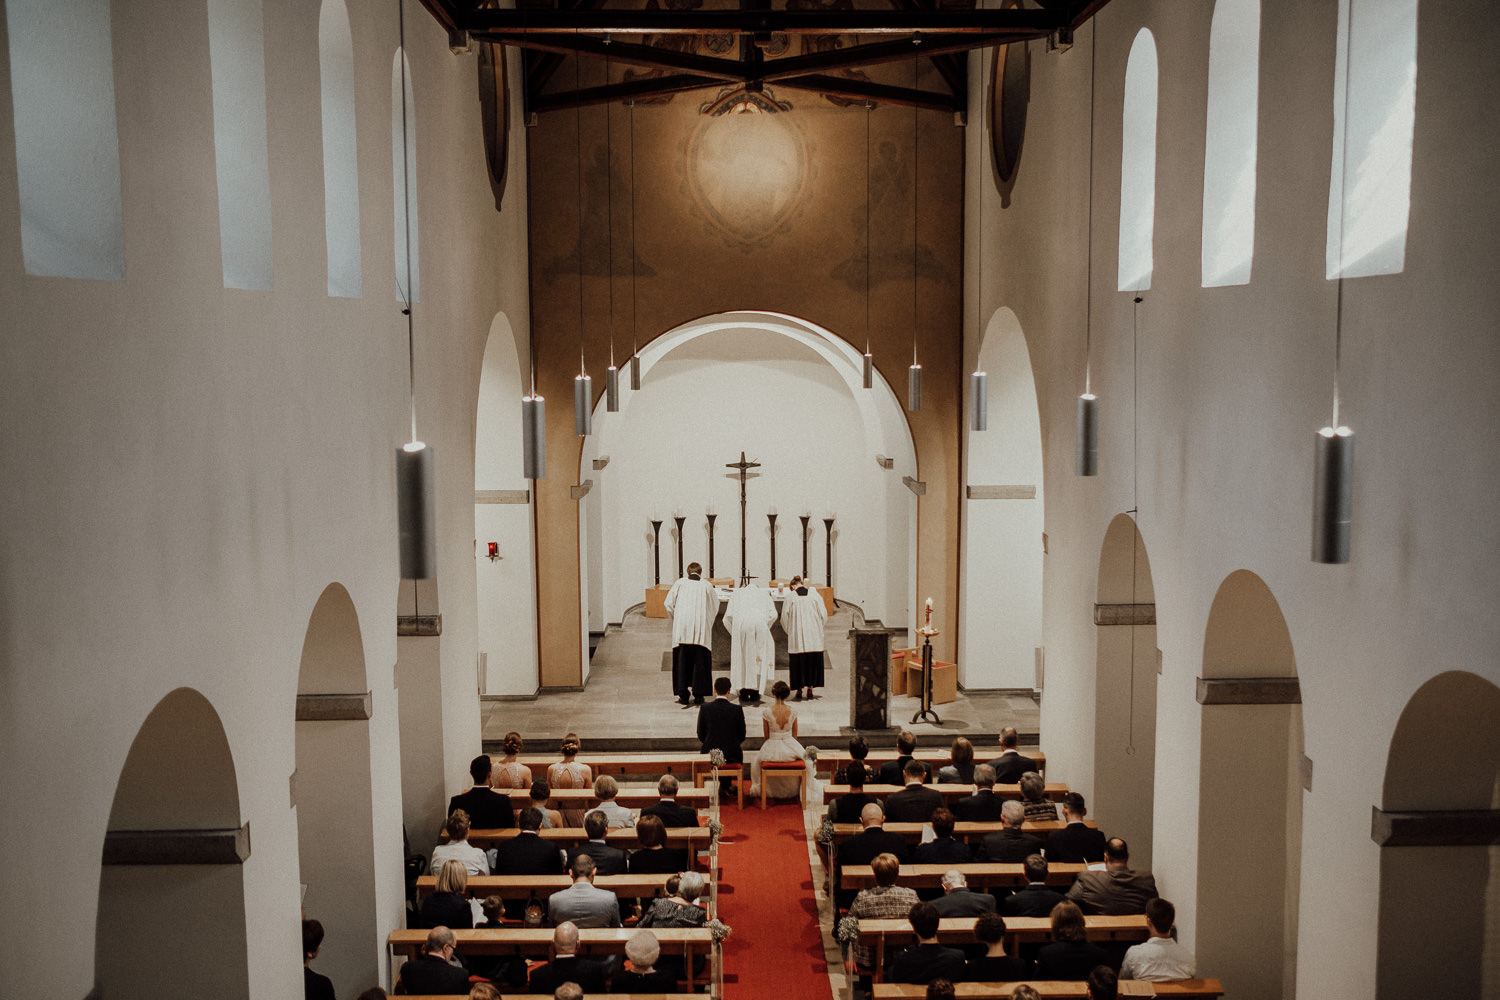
248 247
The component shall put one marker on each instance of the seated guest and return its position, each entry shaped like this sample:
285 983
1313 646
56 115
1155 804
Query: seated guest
584 904
892 772
1103 984
605 790
448 906
1118 889
884 899
508 771
644 951
568 991
672 814
1160 958
958 900
458 848
995 966
846 808
569 773
960 767
653 856
1033 797
984 805
859 749
314 986
914 803
1010 765
485 991
526 854
1070 955
541 794
862 848
487 808
1037 899
940 989
608 859
1075 842
1025 992
942 849
680 907
566 966
434 972
1009 845
928 960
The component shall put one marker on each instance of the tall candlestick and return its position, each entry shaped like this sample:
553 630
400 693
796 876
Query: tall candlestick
828 524
680 539
772 518
656 547
711 516
806 534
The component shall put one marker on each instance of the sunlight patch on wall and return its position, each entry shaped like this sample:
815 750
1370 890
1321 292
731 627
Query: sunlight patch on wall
1138 165
1230 151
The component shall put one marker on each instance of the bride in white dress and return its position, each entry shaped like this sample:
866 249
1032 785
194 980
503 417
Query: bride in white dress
780 724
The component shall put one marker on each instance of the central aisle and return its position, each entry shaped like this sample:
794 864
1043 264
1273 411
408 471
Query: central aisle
777 947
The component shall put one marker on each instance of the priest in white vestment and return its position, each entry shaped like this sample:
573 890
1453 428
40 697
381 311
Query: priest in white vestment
752 653
693 604
803 616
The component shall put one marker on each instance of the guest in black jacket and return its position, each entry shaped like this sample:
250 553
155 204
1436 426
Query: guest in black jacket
859 749
566 966
892 772
1075 842
943 849
1037 899
995 966
432 972
928 960
847 808
916 802
1009 845
1070 956
448 906
672 814
654 857
487 808
314 986
983 806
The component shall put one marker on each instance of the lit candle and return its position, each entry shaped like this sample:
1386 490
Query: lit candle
929 604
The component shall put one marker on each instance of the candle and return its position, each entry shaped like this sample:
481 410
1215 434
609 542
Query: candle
929 604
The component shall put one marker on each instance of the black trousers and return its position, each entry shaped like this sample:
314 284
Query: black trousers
690 669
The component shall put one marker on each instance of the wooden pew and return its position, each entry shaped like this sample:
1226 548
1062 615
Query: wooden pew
652 765
951 793
542 886
1187 989
689 942
936 756
979 874
692 837
630 798
960 931
969 832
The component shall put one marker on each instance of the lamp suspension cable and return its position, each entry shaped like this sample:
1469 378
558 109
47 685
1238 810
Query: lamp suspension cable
612 373
869 359
533 405
1086 455
415 478
635 348
1333 477
583 386
914 373
979 381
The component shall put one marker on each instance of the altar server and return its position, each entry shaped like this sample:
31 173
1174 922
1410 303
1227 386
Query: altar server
752 654
803 616
693 603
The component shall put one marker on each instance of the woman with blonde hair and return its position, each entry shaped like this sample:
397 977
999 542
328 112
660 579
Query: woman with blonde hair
508 771
458 848
448 905
616 815
569 773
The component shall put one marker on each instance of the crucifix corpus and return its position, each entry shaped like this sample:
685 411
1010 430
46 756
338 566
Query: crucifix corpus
743 475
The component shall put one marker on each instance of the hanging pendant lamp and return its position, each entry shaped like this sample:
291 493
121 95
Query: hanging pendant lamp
979 387
979 381
869 359
635 349
914 373
583 385
533 437
1086 440
612 373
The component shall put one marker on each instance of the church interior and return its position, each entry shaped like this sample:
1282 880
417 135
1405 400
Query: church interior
1060 318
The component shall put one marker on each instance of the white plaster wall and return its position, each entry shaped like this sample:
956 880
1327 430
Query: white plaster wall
189 466
1232 383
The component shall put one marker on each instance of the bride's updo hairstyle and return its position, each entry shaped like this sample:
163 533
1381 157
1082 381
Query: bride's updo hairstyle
779 690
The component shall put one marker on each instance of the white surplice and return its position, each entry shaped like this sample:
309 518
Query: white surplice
752 654
693 605
804 617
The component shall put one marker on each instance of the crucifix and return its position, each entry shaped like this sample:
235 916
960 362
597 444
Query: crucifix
744 468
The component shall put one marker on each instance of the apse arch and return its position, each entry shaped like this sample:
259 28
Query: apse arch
505 587
1436 827
1000 574
1250 792
1125 690
776 384
175 845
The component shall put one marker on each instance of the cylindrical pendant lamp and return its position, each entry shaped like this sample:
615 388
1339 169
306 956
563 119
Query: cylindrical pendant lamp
914 388
534 437
979 384
635 372
1086 459
416 511
869 370
1333 495
583 396
612 389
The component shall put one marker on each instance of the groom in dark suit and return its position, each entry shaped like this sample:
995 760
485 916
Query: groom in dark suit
721 726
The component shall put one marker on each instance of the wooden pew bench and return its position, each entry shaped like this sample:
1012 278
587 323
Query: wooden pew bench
979 875
968 832
630 798
951 793
644 765
542 886
1187 989
935 756
955 931
693 837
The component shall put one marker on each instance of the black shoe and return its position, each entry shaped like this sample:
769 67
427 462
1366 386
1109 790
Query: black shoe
698 700
798 695
682 699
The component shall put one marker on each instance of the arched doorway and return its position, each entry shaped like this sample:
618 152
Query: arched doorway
1125 690
1250 793
1000 574
1436 825
787 393
335 812
173 857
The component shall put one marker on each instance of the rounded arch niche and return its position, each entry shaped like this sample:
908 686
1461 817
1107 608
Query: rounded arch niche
789 395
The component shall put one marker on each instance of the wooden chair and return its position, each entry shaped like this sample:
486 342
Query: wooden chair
784 768
735 771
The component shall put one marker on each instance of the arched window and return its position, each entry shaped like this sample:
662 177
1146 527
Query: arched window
62 82
1229 152
1374 112
404 173
236 49
1138 165
340 153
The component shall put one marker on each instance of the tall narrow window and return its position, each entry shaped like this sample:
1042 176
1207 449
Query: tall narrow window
236 51
404 172
1229 153
1374 112
340 154
62 82
1138 165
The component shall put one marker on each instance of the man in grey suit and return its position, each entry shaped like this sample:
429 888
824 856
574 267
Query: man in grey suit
1009 845
582 903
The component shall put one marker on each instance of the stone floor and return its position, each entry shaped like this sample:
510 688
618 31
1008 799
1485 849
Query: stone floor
627 703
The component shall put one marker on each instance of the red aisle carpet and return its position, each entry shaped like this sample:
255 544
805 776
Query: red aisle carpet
776 950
